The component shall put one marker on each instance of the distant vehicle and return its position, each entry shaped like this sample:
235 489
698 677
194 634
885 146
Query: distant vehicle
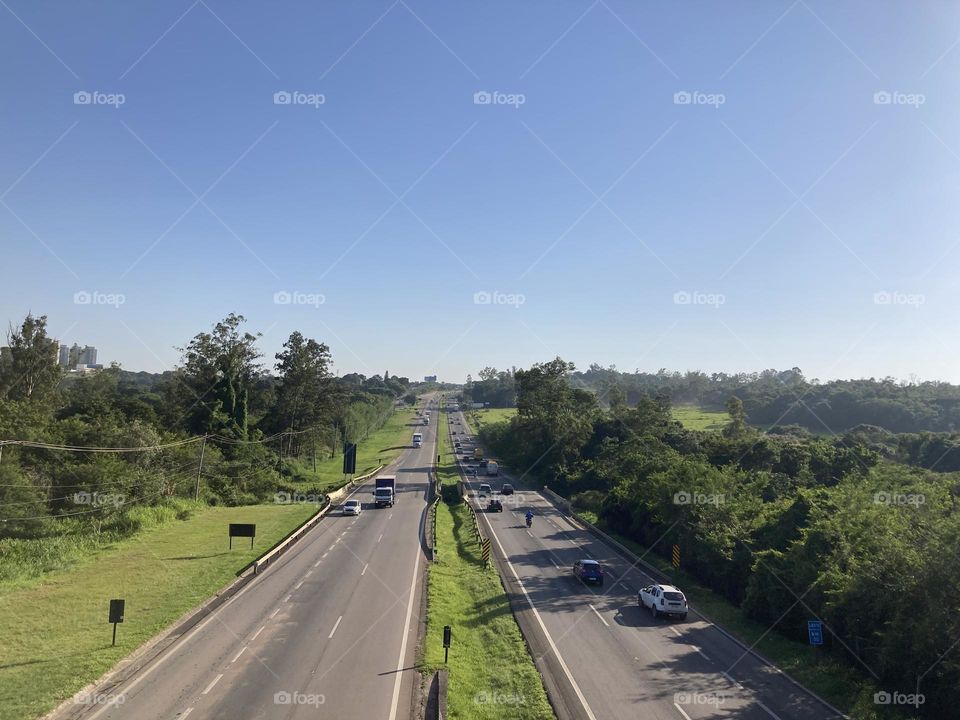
485 489
418 440
477 454
386 486
663 600
507 489
483 463
426 420
352 507
588 571
494 505
492 468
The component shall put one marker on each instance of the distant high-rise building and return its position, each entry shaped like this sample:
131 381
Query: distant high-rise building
69 357
429 378
88 356
64 357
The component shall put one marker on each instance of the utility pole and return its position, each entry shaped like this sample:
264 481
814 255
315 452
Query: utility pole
203 446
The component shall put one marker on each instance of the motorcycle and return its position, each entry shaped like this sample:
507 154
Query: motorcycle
529 520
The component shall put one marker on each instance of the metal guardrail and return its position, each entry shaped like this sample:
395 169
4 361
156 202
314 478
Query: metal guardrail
299 532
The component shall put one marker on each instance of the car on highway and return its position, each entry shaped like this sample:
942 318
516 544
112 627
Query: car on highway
352 507
507 489
484 489
663 600
483 463
588 571
494 505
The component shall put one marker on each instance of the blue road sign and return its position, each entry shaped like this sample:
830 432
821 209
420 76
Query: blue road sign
815 632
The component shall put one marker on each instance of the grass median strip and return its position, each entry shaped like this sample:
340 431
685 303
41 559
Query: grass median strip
491 673
54 635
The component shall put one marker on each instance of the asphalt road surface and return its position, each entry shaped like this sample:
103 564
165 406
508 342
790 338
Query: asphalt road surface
328 631
609 659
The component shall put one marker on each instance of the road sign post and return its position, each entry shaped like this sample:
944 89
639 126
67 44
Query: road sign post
815 632
116 616
242 530
446 642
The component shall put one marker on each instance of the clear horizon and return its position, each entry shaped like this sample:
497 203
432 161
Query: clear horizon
432 189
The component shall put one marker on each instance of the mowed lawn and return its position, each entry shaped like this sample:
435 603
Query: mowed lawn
54 635
491 673
487 416
380 447
694 418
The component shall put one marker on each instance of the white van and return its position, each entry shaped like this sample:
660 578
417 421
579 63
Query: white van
418 440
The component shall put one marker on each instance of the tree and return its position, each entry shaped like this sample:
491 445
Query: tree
737 426
30 371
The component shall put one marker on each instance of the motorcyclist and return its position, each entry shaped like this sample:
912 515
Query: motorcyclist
529 517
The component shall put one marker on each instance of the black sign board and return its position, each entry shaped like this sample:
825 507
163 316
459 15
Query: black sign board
349 458
446 642
242 530
116 616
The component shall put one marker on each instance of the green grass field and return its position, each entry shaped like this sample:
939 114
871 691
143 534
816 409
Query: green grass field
487 416
491 672
380 447
694 418
54 636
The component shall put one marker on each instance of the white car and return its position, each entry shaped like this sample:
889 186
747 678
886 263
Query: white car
484 489
352 507
663 600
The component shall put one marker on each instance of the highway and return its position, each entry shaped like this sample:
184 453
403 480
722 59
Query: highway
329 630
602 657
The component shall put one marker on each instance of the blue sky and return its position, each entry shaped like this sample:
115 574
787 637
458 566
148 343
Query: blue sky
799 210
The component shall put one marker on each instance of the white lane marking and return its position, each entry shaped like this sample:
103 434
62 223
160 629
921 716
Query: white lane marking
732 681
274 613
674 631
287 598
395 704
317 564
186 712
215 681
529 533
298 585
257 633
680 709
335 626
602 619
572 542
694 647
364 569
325 554
380 538
556 566
543 628
390 516
237 656
770 712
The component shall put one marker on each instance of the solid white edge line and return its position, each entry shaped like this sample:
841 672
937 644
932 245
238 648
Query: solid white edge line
543 628
769 711
335 626
602 619
186 712
680 709
214 682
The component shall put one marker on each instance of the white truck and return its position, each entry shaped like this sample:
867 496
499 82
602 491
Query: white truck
418 440
492 468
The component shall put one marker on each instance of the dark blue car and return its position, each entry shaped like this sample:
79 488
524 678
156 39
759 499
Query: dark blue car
588 571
